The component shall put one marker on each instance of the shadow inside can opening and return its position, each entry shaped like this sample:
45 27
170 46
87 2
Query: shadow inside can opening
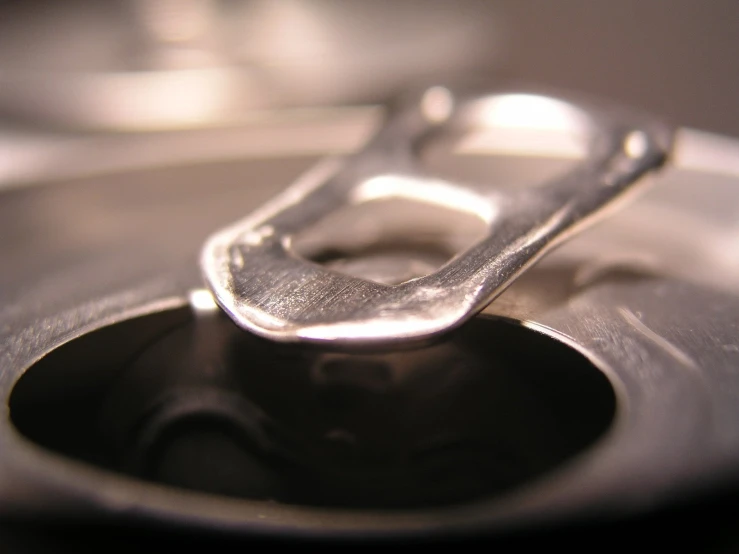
196 403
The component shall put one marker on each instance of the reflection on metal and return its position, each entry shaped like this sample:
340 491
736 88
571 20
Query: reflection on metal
438 193
202 300
530 111
267 290
636 144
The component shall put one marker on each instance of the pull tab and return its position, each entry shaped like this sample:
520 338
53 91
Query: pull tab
267 289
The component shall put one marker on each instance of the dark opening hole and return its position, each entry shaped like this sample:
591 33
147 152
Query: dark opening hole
212 455
199 404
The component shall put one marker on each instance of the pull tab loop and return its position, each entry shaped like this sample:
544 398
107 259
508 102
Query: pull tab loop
267 289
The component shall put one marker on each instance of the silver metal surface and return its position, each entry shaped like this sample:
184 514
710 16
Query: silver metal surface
650 296
257 277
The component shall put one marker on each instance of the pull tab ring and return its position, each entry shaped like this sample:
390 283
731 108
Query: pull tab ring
267 289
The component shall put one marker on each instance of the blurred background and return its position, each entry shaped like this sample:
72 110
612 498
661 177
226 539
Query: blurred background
155 64
93 86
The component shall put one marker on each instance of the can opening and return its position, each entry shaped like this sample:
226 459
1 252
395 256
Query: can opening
197 403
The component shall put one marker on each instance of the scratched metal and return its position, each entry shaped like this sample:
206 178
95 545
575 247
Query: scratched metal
651 297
